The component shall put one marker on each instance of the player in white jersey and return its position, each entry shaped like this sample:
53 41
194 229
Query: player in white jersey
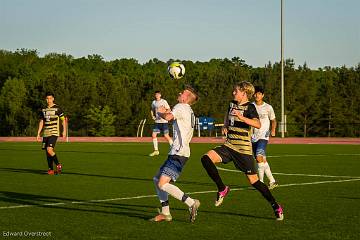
161 125
260 137
183 128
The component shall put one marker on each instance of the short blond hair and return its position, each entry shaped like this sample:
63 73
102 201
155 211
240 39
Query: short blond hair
246 87
193 97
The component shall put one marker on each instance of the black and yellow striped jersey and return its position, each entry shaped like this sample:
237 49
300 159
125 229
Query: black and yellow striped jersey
239 133
51 117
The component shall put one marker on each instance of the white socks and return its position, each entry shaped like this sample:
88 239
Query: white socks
264 167
177 193
165 210
163 196
261 170
268 173
156 145
155 142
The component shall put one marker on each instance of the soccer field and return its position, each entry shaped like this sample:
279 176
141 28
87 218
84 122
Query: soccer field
106 192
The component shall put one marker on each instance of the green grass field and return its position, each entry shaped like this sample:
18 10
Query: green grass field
106 192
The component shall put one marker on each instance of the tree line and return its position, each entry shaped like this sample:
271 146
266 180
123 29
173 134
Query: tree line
109 98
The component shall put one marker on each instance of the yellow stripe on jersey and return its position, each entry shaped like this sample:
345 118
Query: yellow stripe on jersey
55 121
240 149
240 130
235 136
52 118
239 142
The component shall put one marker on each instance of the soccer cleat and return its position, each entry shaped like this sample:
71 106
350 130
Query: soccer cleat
50 172
279 214
154 153
273 185
161 217
221 195
193 210
59 168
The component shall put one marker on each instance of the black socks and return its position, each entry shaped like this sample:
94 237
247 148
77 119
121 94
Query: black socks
55 159
51 160
212 172
264 190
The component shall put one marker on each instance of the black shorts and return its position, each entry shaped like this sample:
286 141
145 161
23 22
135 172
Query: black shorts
243 162
49 142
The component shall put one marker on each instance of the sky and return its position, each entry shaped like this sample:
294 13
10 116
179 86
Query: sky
318 32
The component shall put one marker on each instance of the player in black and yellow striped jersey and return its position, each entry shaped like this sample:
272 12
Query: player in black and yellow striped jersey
239 121
49 125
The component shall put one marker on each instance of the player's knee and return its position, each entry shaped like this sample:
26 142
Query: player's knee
161 185
50 151
259 158
253 179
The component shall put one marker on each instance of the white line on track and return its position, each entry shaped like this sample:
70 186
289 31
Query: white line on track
151 196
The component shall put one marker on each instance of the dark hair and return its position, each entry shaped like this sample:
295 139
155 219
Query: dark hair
259 89
50 94
157 91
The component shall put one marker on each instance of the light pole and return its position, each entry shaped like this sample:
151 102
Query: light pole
282 124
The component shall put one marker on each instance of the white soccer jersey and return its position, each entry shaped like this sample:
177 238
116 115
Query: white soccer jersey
183 128
266 113
155 105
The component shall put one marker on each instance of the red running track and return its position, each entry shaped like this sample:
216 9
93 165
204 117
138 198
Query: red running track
290 140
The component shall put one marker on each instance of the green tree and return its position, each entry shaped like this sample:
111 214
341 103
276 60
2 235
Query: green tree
14 113
101 120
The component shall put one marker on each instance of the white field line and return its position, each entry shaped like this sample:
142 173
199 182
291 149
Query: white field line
313 155
151 196
293 174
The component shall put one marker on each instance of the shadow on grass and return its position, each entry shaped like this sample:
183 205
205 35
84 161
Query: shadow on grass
30 199
24 170
350 198
80 151
20 150
63 203
144 212
42 172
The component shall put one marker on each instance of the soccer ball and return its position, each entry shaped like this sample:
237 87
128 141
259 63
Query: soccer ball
176 70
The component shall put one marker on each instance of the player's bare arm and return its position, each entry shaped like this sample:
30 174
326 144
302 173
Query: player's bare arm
64 133
273 127
224 129
152 114
165 113
41 125
252 122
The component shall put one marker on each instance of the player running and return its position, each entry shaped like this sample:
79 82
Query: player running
260 137
183 127
50 125
240 118
161 125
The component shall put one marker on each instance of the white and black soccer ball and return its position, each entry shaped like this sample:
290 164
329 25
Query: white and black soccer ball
176 70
